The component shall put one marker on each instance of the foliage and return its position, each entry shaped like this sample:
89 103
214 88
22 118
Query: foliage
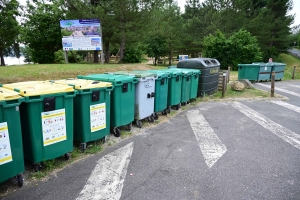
41 31
240 47
133 54
9 28
73 57
27 53
156 47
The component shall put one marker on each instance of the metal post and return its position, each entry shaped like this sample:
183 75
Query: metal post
228 74
294 70
223 84
66 57
273 84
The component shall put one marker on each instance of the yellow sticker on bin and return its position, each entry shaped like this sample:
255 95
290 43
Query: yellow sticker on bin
34 88
80 84
6 94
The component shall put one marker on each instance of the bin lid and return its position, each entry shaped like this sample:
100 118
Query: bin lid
198 63
33 88
160 73
80 84
112 78
249 65
263 64
173 72
187 71
7 94
138 74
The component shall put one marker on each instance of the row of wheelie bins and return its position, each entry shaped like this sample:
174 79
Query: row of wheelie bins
39 120
261 71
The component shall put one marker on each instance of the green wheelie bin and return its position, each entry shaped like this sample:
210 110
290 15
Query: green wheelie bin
174 90
194 80
46 120
11 147
161 92
122 99
91 109
144 96
248 71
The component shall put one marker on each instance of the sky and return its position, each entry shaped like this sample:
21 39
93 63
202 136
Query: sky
296 7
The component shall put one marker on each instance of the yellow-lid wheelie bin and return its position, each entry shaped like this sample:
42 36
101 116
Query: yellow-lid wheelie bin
91 109
11 147
46 120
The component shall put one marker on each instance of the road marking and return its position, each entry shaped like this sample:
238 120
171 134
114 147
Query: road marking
280 89
296 86
209 143
287 105
277 129
106 180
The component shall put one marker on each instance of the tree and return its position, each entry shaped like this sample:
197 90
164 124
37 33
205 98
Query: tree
9 27
240 47
156 47
41 31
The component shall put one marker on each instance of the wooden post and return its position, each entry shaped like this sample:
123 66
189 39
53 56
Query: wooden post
273 84
224 84
228 74
294 70
66 57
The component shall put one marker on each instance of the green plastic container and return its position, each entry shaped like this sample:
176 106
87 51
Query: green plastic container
11 147
91 109
46 120
174 90
194 80
264 71
161 91
248 71
144 96
279 70
122 99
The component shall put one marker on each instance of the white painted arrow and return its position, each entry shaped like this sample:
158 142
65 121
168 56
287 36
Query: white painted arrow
106 180
209 143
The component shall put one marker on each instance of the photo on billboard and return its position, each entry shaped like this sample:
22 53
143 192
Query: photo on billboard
81 34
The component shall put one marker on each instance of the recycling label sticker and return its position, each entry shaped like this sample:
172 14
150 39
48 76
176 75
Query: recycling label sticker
54 126
5 149
98 117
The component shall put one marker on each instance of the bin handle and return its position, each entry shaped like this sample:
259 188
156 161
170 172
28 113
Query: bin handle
119 83
109 88
71 94
12 103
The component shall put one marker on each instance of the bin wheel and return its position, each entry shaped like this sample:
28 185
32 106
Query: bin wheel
151 119
183 103
37 167
83 147
117 132
177 106
104 139
169 109
164 112
138 123
155 116
188 102
20 180
67 156
129 126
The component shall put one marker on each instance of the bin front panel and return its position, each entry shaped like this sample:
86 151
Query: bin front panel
194 86
186 88
248 71
161 94
174 90
144 98
264 72
43 132
10 127
279 70
92 115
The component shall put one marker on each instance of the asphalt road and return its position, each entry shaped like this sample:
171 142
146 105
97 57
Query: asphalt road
295 52
216 150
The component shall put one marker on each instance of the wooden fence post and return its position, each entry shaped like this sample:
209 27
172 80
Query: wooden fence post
273 84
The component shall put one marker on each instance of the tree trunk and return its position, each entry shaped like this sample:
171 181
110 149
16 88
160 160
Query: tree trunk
106 52
123 38
96 57
156 58
170 55
2 58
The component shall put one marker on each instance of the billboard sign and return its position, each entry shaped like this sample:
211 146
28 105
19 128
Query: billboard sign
81 34
183 57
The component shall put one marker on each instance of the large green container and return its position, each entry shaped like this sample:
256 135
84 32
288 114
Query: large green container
174 90
194 80
46 120
264 71
161 91
248 71
91 109
185 85
279 70
122 99
11 147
